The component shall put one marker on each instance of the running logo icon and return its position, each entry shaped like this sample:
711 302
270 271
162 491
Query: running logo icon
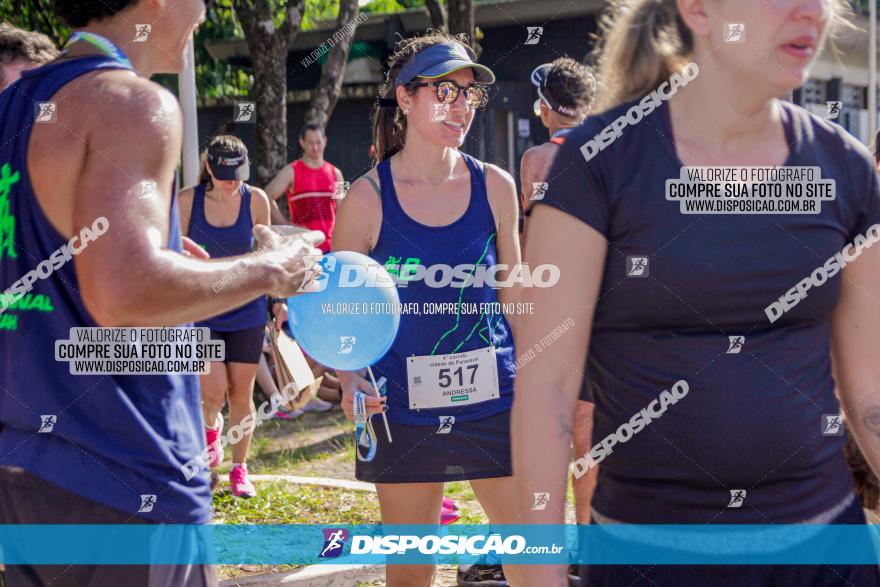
147 503
735 32
533 34
148 190
47 423
736 344
539 189
541 501
440 112
46 111
141 32
736 498
346 344
833 109
446 423
334 542
341 189
244 111
832 425
636 266
316 276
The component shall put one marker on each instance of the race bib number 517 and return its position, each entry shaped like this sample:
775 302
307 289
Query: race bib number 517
441 381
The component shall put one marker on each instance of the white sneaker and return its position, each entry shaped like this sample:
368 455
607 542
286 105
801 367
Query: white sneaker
317 405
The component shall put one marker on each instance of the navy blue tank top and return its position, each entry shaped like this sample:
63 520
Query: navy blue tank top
115 438
228 241
470 240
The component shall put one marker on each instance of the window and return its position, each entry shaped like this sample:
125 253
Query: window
813 92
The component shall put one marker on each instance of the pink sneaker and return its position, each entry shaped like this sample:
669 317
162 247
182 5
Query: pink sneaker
239 483
448 515
450 504
212 439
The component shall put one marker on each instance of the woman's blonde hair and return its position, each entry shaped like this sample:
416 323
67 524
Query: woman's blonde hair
642 42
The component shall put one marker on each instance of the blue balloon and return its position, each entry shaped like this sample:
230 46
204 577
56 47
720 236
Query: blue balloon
351 322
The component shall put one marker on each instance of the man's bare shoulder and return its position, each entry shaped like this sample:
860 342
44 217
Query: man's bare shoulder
120 102
540 157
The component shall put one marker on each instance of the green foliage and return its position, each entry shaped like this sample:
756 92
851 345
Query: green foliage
34 15
214 79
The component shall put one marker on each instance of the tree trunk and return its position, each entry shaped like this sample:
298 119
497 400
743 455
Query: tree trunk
268 47
270 95
462 20
437 13
327 93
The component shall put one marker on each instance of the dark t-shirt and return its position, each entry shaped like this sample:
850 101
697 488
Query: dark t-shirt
752 420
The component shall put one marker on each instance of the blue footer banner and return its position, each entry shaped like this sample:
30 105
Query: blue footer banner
796 544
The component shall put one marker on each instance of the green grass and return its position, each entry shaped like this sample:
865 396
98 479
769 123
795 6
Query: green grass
287 503
267 457
469 508
278 502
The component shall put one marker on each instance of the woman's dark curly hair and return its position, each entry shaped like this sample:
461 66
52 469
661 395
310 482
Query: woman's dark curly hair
78 14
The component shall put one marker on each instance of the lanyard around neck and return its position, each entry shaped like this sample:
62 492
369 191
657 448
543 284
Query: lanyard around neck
103 44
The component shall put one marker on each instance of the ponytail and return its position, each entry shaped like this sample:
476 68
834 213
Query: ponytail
642 43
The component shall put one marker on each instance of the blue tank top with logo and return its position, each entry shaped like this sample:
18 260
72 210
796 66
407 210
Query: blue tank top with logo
228 241
108 438
450 319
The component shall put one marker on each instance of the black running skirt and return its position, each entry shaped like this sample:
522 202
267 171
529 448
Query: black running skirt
456 451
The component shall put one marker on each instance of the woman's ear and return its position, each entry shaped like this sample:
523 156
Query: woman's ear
404 99
696 16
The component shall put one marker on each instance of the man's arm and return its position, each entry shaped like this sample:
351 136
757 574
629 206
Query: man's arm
339 178
528 174
127 276
277 188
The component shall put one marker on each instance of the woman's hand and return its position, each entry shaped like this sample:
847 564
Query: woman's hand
353 381
279 311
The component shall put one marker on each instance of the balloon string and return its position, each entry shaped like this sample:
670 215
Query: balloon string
384 417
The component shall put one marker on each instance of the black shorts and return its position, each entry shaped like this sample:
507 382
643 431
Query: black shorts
735 576
242 346
27 499
479 449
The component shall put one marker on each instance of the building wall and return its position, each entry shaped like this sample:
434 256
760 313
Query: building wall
348 132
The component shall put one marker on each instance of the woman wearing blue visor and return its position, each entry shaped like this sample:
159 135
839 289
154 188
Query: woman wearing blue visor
432 215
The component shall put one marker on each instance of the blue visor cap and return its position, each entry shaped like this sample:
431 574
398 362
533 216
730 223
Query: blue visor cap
438 60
